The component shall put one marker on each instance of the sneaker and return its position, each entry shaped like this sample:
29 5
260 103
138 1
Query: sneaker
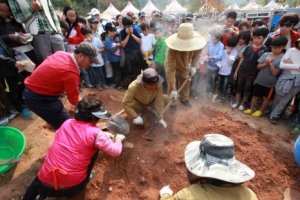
3 121
223 100
13 111
105 86
257 113
248 112
272 120
89 86
10 116
186 103
173 109
26 114
234 105
98 86
296 131
241 107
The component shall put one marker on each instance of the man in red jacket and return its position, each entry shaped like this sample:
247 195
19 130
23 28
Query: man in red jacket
57 74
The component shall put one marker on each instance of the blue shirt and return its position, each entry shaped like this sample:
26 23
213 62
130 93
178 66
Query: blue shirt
137 28
215 50
108 46
132 45
96 42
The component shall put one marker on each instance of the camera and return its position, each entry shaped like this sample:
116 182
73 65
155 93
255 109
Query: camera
225 30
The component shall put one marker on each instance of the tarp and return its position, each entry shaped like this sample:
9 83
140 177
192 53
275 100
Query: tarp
149 7
252 5
175 7
111 10
129 8
233 6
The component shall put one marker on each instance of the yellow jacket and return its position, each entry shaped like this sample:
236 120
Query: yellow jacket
137 93
177 63
211 192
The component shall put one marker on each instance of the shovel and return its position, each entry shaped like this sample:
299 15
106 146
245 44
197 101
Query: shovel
9 161
146 135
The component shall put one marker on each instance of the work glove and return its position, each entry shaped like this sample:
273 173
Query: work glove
163 123
138 121
165 190
174 94
193 71
120 136
111 136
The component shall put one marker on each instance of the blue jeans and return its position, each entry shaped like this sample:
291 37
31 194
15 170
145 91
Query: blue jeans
96 72
211 80
86 76
223 85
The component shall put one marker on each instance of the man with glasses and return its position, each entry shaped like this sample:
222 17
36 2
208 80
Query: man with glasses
286 24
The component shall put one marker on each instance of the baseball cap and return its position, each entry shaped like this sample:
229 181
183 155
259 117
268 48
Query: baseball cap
89 50
142 14
95 11
110 27
131 14
93 20
155 12
189 16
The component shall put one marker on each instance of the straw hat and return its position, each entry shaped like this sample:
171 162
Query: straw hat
186 39
213 157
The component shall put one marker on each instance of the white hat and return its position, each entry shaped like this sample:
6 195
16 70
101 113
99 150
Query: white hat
95 11
186 39
213 157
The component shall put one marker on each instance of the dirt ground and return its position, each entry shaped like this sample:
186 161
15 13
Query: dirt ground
140 172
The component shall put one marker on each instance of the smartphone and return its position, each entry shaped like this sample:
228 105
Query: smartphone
225 30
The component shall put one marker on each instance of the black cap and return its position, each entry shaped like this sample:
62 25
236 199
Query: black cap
93 20
142 14
189 16
155 12
89 50
110 27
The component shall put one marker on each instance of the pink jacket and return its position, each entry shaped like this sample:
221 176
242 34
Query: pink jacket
74 145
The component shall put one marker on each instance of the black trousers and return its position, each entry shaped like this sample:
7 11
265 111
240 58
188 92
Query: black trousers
38 188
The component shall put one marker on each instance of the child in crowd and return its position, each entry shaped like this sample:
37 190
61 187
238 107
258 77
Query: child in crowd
94 25
117 41
96 69
267 76
215 53
147 46
228 58
247 70
160 55
65 29
113 53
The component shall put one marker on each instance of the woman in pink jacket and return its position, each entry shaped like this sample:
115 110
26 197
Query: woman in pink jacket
69 162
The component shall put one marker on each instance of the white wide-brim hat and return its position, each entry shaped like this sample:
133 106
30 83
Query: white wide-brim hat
186 39
213 157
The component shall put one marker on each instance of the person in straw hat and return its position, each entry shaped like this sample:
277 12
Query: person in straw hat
213 172
182 57
145 91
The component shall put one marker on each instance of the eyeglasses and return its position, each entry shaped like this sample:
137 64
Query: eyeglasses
287 25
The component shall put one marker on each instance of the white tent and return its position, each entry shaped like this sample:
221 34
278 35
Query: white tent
111 10
233 6
149 7
175 7
252 5
272 4
129 8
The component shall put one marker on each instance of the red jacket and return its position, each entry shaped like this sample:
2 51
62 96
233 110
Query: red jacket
78 38
294 36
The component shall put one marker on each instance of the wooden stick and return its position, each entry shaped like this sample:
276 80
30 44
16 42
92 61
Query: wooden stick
34 139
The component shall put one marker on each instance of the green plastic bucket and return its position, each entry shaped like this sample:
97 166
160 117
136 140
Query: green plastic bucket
12 145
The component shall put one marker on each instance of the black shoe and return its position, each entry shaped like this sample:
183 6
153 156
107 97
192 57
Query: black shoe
173 109
186 103
272 120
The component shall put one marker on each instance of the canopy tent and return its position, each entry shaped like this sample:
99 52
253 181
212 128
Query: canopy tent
175 7
252 5
233 6
129 8
111 10
149 7
272 4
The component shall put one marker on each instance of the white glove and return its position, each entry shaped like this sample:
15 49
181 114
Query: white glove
111 136
163 123
120 136
174 94
138 121
165 190
193 71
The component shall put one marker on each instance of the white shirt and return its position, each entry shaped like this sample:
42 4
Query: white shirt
147 43
227 62
293 54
